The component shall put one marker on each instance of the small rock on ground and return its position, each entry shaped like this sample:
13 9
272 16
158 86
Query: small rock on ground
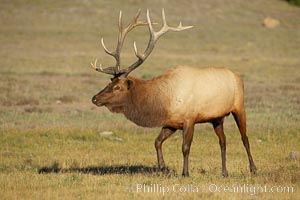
294 155
106 133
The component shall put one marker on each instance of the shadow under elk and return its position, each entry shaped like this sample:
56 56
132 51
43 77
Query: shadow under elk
176 100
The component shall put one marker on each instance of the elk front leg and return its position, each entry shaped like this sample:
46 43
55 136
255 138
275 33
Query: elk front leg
165 133
188 132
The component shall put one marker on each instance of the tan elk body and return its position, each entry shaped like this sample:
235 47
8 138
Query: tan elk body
178 99
182 93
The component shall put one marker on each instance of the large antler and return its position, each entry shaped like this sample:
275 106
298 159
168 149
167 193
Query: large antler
154 36
116 54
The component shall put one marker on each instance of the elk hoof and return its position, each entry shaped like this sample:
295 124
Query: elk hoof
185 174
225 174
253 170
165 170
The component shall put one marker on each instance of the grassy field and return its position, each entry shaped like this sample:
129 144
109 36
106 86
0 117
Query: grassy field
51 146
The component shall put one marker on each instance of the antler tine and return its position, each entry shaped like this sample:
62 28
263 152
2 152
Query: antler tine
164 17
152 37
134 22
105 49
135 49
109 70
181 28
139 56
150 24
94 66
120 21
167 28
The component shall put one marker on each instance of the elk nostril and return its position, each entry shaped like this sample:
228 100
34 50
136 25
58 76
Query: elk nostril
94 100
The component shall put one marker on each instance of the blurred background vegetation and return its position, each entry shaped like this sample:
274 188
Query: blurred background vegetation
46 85
295 2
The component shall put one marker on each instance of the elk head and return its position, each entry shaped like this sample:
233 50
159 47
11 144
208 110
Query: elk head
114 95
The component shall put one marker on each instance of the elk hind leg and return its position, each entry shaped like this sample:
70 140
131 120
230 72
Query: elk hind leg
218 127
240 119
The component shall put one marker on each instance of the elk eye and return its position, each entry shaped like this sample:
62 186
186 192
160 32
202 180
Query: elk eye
117 87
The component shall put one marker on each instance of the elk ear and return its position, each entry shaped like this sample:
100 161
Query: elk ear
129 84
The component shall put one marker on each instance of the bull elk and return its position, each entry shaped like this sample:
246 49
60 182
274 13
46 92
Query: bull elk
178 99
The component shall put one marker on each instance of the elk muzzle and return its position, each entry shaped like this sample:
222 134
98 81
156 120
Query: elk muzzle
97 102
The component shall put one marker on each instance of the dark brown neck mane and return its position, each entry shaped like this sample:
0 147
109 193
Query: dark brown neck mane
147 102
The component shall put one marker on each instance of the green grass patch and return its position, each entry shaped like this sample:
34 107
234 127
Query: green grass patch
51 141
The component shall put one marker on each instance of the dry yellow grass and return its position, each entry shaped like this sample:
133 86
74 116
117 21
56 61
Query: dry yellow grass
50 141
